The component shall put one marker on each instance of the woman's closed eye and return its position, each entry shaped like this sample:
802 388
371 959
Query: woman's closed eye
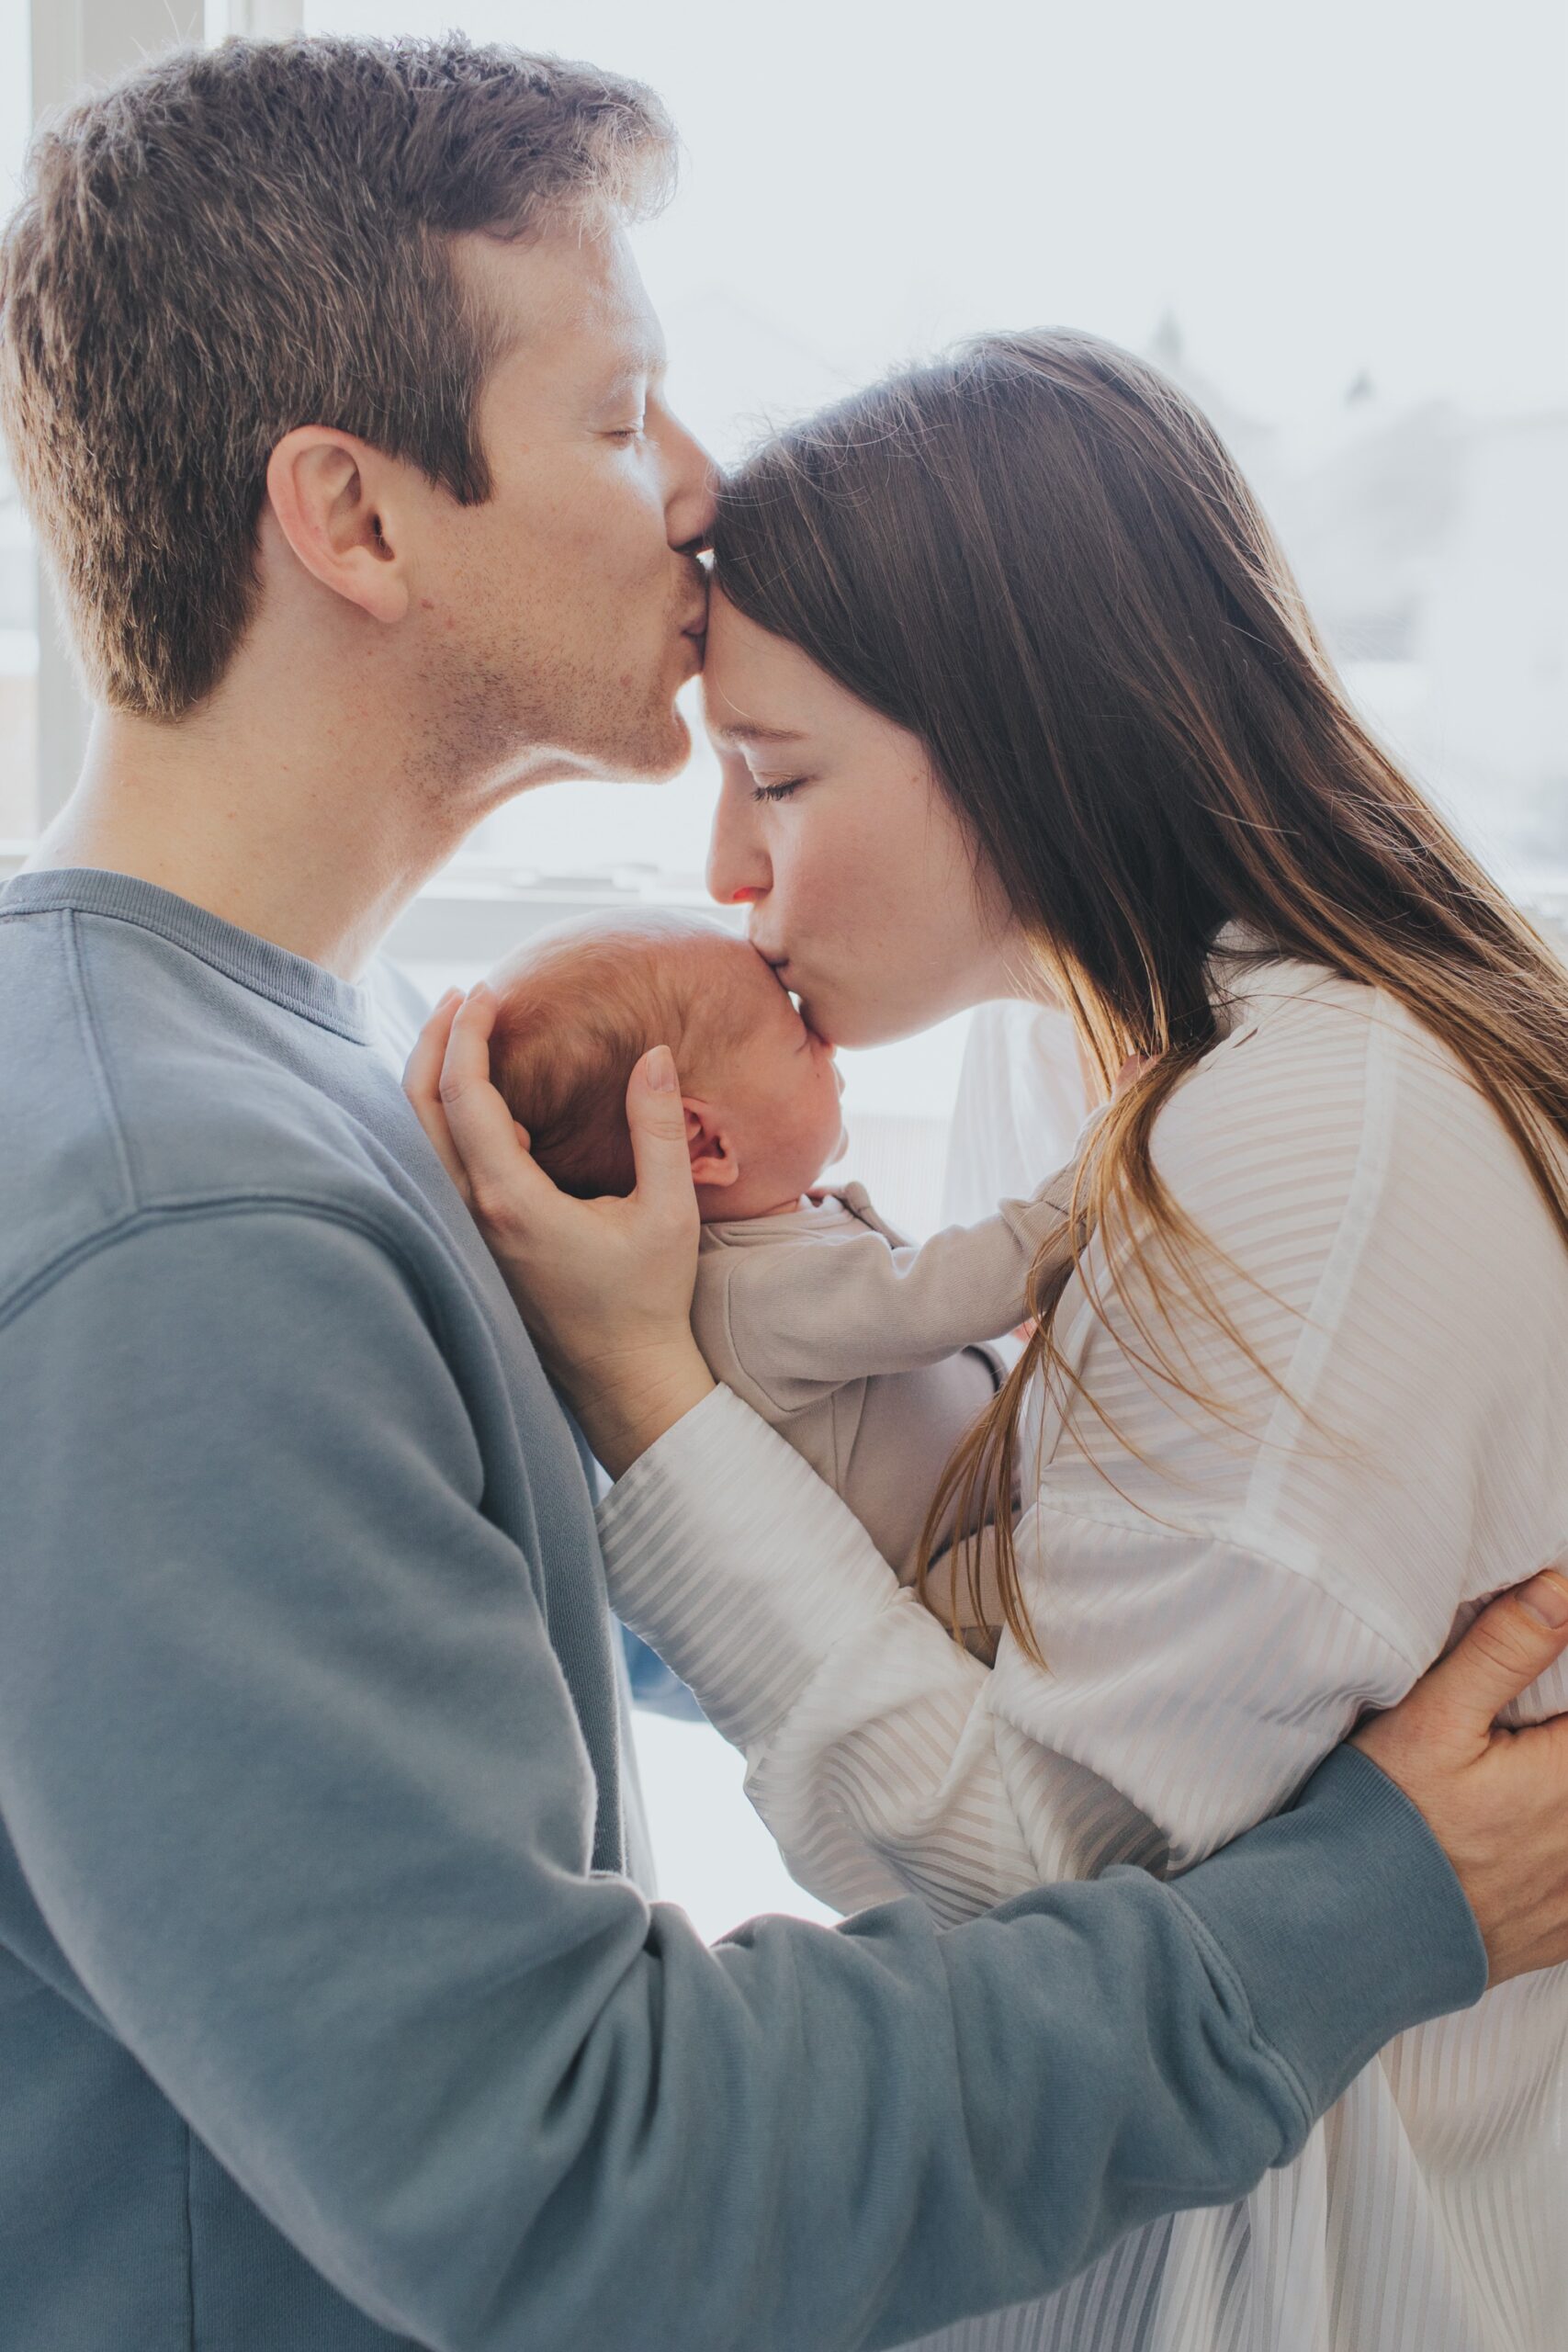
777 791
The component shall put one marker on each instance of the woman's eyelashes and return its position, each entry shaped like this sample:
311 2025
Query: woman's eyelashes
777 791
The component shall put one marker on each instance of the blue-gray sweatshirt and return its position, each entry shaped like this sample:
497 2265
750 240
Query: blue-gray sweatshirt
329 2017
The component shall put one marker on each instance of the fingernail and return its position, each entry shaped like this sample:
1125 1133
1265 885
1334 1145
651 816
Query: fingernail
660 1070
450 996
1546 1597
482 992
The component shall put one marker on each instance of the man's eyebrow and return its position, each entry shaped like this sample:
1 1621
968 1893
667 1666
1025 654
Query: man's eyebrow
747 731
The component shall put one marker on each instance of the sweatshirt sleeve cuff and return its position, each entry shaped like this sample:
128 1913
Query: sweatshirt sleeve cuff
1343 1921
728 1554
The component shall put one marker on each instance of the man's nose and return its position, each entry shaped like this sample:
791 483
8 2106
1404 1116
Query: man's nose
692 503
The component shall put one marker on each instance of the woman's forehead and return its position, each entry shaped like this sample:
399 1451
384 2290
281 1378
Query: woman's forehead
759 688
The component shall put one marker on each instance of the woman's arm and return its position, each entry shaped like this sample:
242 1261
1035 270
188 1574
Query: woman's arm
870 1743
1191 1686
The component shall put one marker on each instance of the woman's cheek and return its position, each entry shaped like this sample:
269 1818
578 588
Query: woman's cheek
845 892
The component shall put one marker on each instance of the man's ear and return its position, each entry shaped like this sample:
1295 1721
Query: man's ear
334 498
713 1161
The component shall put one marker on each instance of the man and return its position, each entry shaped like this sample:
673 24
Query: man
329 2017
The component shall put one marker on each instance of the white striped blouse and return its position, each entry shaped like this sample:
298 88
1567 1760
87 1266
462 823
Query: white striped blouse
1218 1595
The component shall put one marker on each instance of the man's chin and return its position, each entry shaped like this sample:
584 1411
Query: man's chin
660 750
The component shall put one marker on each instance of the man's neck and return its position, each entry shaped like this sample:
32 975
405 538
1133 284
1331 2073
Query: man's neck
299 842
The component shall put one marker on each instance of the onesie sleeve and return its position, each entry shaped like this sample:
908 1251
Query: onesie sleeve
799 1322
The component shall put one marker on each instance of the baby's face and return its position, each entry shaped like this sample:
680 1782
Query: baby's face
768 1119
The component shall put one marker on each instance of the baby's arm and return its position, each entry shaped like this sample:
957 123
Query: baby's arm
801 1321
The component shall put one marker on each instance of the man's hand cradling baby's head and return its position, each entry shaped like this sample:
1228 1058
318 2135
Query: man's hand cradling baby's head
604 1285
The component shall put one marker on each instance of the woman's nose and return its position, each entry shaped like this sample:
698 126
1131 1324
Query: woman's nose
738 870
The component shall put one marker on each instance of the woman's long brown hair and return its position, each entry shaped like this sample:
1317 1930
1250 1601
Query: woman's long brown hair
1037 556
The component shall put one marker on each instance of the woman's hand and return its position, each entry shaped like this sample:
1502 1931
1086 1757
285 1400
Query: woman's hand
1495 1801
604 1287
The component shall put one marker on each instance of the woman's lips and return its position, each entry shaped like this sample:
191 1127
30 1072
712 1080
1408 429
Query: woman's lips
781 967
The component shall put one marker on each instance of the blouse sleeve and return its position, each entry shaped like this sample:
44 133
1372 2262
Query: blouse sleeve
883 1757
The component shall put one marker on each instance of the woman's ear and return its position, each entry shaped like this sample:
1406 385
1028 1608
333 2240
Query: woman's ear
713 1161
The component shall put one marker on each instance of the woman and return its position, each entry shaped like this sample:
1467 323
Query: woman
1015 696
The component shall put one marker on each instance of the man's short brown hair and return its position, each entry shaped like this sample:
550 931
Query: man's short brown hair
232 243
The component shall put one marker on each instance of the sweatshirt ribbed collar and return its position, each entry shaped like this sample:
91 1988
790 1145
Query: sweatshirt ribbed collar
255 963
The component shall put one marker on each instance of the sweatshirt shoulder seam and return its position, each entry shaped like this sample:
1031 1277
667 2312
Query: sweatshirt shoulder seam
142 1219
92 1047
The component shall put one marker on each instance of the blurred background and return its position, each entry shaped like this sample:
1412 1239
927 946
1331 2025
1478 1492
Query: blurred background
1343 229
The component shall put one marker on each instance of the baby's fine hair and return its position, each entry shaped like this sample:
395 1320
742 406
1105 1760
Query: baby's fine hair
579 1009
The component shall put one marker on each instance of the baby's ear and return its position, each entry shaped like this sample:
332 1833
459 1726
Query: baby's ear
713 1162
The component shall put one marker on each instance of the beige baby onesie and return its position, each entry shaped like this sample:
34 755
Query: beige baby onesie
863 1350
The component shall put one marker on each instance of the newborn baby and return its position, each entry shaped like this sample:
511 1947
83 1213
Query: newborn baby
861 1349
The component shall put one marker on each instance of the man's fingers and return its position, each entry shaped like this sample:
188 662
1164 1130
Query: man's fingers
503 1179
1510 1646
658 1121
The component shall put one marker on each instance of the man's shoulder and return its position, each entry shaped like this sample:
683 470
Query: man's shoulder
87 1189
113 1116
